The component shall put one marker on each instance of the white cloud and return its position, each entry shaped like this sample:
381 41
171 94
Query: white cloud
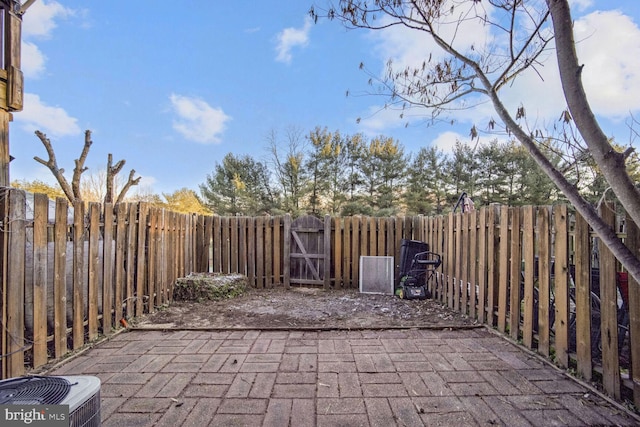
38 23
446 141
40 18
32 60
608 43
609 47
196 120
54 121
292 37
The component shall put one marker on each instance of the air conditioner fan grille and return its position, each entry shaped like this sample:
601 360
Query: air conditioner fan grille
34 390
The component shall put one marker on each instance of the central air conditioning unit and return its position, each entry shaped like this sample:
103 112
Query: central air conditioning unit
376 275
81 393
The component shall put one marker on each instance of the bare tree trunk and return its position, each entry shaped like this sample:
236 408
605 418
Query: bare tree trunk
52 164
112 171
610 162
602 229
80 168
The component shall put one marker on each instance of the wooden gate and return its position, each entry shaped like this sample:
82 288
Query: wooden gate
307 250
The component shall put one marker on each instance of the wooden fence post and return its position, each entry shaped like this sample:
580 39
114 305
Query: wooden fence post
609 312
583 297
561 284
327 251
78 274
503 268
107 274
286 270
40 279
482 265
633 243
15 283
93 267
528 249
60 277
515 269
544 281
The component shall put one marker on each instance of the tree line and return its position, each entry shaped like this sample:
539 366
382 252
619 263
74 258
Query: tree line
327 172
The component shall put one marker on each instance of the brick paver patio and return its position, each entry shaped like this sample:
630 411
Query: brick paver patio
333 378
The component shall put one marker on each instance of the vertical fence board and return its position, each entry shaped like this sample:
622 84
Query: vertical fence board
633 243
464 271
216 241
514 274
482 264
242 245
201 243
107 266
60 277
503 268
327 252
234 250
373 237
286 268
120 272
152 259
355 251
259 252
473 262
209 245
40 224
609 312
225 258
346 261
561 285
131 246
492 295
251 253
141 260
268 252
450 259
277 250
15 283
528 245
337 252
457 271
583 298
544 281
93 267
78 294
382 233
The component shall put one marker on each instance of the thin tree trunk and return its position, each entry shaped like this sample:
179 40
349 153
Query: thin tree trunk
610 162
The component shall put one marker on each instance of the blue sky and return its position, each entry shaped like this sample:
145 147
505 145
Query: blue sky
172 87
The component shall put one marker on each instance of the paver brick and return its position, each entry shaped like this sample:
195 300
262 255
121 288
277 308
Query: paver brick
263 385
243 406
352 420
202 413
379 412
174 387
294 390
278 413
332 406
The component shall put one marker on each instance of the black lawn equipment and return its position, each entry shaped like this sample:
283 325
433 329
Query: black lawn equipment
417 266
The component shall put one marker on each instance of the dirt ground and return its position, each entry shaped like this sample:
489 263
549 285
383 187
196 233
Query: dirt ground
305 308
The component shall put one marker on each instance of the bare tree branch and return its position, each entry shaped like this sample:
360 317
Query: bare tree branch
130 182
52 164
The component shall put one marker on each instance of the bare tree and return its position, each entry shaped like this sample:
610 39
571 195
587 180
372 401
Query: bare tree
73 191
475 73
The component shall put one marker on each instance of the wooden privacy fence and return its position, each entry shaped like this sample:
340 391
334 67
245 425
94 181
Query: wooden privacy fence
536 274
71 273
